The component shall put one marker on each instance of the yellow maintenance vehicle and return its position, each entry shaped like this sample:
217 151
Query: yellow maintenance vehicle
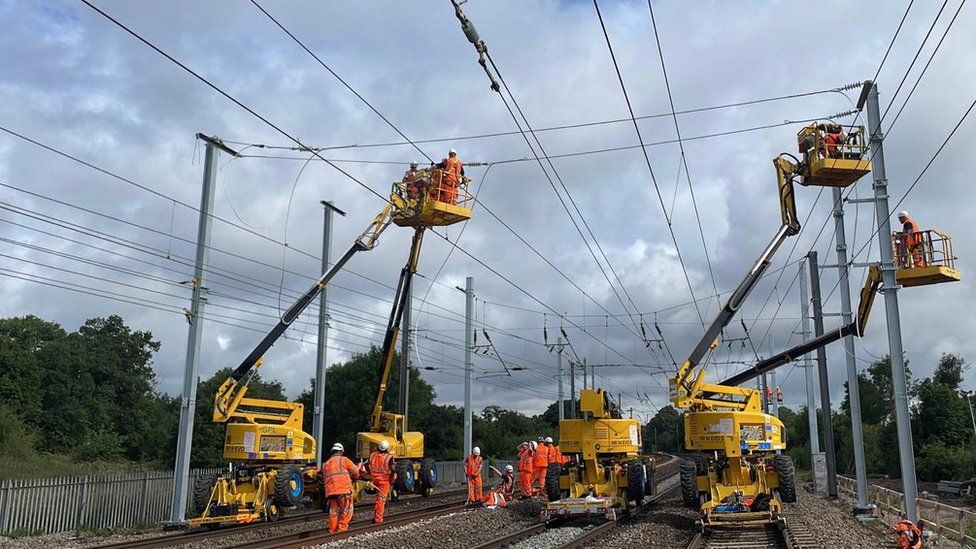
604 472
737 476
272 460
426 201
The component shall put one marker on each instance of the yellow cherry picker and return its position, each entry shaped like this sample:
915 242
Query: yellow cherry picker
272 460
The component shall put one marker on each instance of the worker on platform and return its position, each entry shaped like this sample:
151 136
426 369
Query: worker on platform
912 244
472 471
907 535
834 138
540 462
337 476
411 172
453 172
382 473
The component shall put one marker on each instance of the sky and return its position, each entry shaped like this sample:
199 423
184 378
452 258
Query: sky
585 246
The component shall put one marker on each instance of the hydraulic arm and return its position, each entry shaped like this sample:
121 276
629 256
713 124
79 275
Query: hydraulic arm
393 328
232 391
684 385
855 328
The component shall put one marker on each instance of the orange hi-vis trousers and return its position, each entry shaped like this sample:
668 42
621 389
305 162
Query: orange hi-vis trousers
340 512
474 489
540 478
525 483
379 502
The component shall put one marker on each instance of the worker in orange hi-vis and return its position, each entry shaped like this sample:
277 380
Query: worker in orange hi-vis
472 471
540 462
337 476
503 491
912 242
453 172
555 454
382 473
525 470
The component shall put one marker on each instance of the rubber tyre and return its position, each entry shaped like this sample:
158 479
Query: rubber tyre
787 478
648 477
688 475
202 486
552 481
405 477
636 481
288 486
428 476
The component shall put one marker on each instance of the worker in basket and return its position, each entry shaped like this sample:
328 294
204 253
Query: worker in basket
833 139
448 178
911 251
907 535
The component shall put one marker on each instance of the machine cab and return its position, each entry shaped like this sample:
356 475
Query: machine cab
924 257
403 444
832 157
429 199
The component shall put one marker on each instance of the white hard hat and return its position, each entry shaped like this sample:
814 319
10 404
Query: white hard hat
384 445
414 163
533 444
452 151
509 469
337 447
903 213
549 440
476 451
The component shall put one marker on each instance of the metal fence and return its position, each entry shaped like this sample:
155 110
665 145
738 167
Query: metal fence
954 527
48 505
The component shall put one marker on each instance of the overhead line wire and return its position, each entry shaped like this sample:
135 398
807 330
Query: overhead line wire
684 159
647 160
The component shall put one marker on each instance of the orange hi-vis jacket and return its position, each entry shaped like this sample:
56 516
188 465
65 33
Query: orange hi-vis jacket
338 473
541 458
453 170
525 459
556 455
381 468
472 466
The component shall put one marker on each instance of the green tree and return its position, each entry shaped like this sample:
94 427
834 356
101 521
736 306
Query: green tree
665 432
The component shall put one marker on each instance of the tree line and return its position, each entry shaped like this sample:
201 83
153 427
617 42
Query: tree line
90 396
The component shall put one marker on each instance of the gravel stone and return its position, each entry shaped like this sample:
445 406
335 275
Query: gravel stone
462 529
364 510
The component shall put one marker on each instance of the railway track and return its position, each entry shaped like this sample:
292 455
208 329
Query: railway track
315 537
194 536
669 486
782 535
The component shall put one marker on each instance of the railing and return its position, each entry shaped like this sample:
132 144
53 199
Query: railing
849 145
433 184
48 505
951 524
929 248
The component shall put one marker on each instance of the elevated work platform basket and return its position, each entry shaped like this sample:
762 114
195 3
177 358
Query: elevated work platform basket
430 199
924 258
832 157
